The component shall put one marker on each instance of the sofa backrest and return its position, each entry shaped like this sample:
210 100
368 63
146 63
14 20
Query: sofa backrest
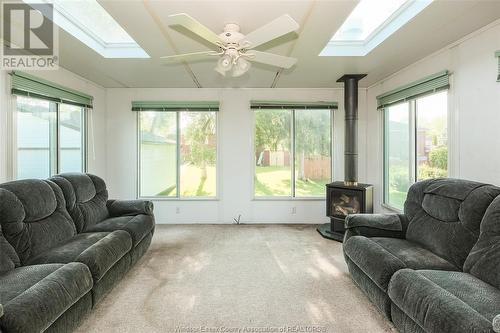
86 197
445 215
8 256
484 258
33 217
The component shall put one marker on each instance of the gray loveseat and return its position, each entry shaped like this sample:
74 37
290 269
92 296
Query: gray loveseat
63 246
435 268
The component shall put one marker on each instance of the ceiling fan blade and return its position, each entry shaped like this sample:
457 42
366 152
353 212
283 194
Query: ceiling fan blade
271 59
188 56
194 26
274 29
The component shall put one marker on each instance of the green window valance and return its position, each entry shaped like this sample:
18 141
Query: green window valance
175 106
29 85
428 85
262 105
497 54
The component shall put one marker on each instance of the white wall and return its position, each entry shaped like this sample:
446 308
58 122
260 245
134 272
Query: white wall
235 168
96 142
474 108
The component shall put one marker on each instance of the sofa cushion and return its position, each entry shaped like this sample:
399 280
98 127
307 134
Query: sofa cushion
443 301
33 217
33 297
8 256
86 198
445 215
380 258
99 251
137 226
484 258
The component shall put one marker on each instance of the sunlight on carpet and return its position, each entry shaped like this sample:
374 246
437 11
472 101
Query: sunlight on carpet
265 277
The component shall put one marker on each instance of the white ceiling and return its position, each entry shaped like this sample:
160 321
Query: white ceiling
440 24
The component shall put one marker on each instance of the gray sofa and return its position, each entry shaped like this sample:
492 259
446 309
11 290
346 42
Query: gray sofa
435 268
63 246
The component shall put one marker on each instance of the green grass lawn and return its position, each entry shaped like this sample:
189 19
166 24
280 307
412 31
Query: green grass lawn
275 181
269 181
396 198
192 184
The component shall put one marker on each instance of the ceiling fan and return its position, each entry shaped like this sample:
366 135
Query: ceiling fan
234 49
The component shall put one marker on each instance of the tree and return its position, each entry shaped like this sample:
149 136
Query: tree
312 136
160 124
200 137
312 133
272 129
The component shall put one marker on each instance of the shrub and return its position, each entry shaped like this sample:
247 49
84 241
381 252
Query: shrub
438 158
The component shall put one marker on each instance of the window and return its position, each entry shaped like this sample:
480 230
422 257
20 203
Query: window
292 151
91 24
369 24
365 18
71 138
50 138
416 144
49 131
178 154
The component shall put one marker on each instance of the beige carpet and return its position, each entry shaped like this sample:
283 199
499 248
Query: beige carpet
237 278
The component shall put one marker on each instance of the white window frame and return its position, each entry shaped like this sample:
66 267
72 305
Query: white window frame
291 197
178 197
55 168
412 109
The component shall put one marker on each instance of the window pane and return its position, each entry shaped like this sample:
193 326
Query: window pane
70 138
397 154
432 136
36 138
158 151
272 153
198 154
312 152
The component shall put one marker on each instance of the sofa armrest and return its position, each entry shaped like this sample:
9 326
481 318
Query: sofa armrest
129 207
496 324
376 225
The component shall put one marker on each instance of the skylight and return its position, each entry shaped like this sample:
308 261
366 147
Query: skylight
90 15
370 23
89 22
365 18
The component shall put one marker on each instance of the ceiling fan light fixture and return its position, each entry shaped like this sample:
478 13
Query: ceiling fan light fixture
224 64
242 66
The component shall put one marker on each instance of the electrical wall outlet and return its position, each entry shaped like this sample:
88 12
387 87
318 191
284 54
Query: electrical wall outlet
177 210
294 210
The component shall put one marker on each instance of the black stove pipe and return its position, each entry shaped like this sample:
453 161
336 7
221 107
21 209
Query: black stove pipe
351 127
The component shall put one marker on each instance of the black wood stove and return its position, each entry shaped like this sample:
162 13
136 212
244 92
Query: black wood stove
349 196
342 200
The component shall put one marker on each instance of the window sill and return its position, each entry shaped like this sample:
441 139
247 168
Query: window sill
288 199
391 209
177 199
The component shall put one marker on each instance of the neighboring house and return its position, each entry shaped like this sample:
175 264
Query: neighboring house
158 157
398 137
34 146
